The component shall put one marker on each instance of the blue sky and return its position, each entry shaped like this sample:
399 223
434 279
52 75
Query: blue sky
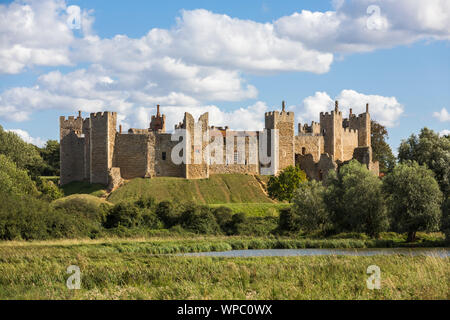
235 59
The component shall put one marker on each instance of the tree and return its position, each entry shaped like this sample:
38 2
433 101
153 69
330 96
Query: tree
355 200
282 187
14 180
309 208
50 154
430 149
381 150
24 155
414 199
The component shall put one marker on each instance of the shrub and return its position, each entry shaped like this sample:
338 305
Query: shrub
414 199
167 213
199 219
355 201
131 215
309 211
84 205
28 218
49 190
282 187
287 220
224 216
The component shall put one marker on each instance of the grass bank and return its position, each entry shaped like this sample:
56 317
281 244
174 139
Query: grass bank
220 188
118 269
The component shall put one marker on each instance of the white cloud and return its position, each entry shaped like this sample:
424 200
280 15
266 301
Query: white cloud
27 138
444 132
244 118
35 33
204 57
354 27
442 115
385 110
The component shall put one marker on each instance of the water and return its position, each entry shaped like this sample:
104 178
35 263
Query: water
435 252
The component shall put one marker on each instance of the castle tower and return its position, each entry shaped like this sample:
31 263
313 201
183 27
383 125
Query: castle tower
362 124
197 166
72 149
284 122
102 141
158 122
331 127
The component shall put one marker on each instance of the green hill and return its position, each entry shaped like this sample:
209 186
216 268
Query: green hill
218 189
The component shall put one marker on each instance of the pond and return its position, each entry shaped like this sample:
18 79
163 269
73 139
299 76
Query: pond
435 252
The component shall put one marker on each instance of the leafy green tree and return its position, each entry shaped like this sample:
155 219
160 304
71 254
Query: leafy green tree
14 180
355 200
430 149
381 150
24 155
282 187
309 207
50 154
414 199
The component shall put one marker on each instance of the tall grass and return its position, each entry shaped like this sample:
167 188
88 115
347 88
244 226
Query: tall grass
127 270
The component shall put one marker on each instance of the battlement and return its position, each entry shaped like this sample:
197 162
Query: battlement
349 130
102 115
71 121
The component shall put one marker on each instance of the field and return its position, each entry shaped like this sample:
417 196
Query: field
128 269
226 188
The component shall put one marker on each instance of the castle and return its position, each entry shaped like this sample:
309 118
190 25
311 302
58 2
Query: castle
93 150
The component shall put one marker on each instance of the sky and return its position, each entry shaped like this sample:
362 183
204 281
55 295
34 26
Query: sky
233 59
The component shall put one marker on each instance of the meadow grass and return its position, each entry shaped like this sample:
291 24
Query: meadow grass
126 269
220 188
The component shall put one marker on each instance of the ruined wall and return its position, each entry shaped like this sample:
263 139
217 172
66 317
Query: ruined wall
130 154
72 149
244 161
199 170
349 143
162 157
309 144
317 170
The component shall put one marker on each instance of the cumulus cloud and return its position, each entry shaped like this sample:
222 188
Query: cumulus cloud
442 115
385 110
27 138
35 33
203 58
444 132
366 25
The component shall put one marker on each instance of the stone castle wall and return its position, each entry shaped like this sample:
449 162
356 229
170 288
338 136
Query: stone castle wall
93 150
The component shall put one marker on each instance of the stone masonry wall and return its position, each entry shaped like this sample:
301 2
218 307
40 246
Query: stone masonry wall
130 155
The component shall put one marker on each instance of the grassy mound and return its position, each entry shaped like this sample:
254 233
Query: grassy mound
79 201
223 188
